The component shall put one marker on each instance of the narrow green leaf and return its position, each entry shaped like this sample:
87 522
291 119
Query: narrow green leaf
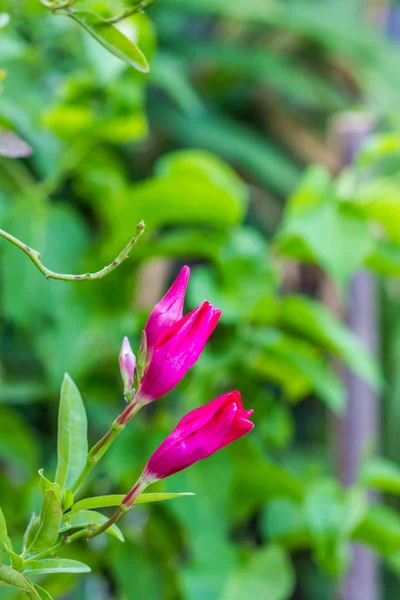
9 577
16 561
30 532
49 522
43 594
116 499
56 565
72 435
68 499
45 485
112 39
86 518
4 539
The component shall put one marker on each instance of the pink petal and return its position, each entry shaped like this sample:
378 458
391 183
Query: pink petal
240 427
189 444
205 413
176 352
168 310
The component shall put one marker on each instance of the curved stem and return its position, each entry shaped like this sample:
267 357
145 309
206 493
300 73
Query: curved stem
117 515
125 505
99 449
35 257
128 12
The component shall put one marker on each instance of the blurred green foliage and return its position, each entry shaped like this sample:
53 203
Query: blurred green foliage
205 148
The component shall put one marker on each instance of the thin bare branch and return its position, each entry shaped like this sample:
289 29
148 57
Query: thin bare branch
35 257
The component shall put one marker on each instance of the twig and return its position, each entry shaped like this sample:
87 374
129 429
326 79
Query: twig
128 12
55 6
35 257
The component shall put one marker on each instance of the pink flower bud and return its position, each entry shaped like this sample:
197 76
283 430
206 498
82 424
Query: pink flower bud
198 435
127 364
176 351
167 311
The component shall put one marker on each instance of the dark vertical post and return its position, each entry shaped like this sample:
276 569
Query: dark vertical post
359 425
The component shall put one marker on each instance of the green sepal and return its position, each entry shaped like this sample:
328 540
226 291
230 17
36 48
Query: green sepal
141 359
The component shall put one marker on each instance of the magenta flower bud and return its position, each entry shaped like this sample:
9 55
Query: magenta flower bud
168 311
127 364
176 351
202 432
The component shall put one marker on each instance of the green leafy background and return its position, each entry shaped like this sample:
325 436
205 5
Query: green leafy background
216 149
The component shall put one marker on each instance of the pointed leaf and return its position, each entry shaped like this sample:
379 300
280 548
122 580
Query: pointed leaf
68 499
43 595
112 39
4 539
45 485
16 561
9 577
56 565
50 518
30 532
85 518
116 499
72 435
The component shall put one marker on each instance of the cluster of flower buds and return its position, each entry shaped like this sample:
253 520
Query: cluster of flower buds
171 344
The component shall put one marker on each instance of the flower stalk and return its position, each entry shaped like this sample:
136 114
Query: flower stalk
171 344
101 447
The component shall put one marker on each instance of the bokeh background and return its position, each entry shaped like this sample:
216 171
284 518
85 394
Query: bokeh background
235 152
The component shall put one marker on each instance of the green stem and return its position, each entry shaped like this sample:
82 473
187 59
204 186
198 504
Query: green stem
75 536
35 257
99 449
96 453
65 540
128 12
117 515
125 505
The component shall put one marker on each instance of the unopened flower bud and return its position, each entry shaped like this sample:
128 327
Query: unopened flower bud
127 364
202 432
